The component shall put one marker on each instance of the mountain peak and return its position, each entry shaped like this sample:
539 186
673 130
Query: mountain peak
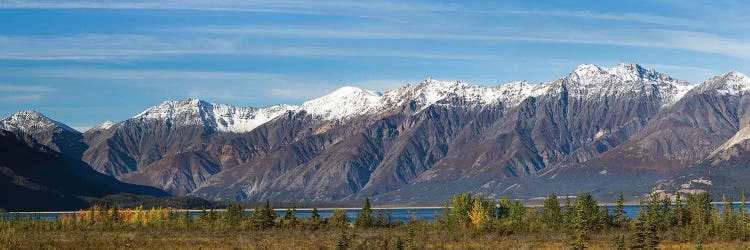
103 126
350 90
628 72
736 75
30 121
220 117
591 81
729 83
343 102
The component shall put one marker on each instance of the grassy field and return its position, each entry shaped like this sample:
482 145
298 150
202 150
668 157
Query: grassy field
304 239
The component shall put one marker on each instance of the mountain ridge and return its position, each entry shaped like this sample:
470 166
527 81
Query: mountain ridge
622 120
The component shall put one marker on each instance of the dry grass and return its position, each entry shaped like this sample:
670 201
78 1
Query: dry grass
300 239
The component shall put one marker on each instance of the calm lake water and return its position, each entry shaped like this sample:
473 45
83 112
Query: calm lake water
402 214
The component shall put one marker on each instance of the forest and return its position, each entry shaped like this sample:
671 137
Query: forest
468 222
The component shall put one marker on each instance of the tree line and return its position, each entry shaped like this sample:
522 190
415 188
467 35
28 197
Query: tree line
691 218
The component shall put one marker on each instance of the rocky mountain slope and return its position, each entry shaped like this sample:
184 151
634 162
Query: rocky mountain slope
605 130
36 178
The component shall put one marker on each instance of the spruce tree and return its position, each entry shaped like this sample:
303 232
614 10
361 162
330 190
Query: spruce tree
620 211
742 217
584 219
551 214
619 243
638 238
338 219
458 208
315 221
342 241
290 218
365 217
568 212
263 217
680 213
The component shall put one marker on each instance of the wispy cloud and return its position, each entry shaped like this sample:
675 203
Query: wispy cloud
343 8
25 88
126 74
23 93
126 47
628 17
21 98
324 7
653 38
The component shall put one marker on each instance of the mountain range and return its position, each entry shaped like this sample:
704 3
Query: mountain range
600 130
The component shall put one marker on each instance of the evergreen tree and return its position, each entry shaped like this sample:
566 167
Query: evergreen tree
342 241
619 243
667 214
551 214
457 210
620 211
263 218
315 221
638 238
680 213
730 220
742 216
651 239
365 217
338 219
568 212
234 215
290 218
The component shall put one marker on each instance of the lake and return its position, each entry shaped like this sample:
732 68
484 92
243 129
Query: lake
402 214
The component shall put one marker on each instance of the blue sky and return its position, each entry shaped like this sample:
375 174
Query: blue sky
83 62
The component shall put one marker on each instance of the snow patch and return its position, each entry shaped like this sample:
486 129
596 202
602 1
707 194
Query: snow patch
222 117
730 83
593 82
342 103
30 122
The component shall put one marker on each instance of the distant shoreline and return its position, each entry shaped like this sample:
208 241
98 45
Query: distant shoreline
607 204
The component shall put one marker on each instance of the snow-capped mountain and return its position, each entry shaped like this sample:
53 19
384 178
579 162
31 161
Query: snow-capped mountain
219 117
426 140
342 103
593 82
30 122
43 130
730 83
102 126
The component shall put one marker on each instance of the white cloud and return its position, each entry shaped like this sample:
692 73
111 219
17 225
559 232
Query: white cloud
21 98
127 47
378 9
25 88
653 38
629 17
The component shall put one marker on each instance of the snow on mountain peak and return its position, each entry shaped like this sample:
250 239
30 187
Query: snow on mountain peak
103 126
342 103
513 93
222 117
730 83
591 81
432 91
30 122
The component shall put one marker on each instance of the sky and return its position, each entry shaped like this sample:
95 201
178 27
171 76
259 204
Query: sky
84 62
